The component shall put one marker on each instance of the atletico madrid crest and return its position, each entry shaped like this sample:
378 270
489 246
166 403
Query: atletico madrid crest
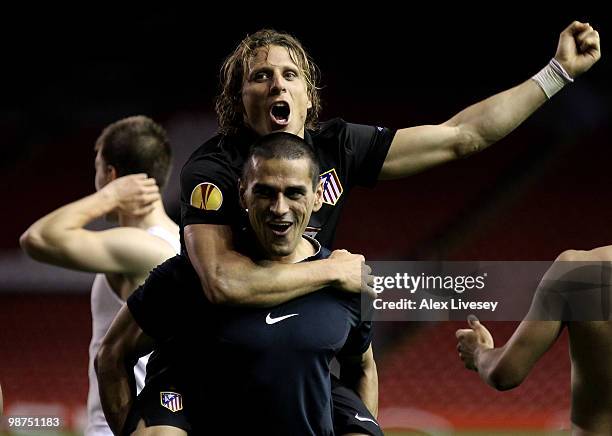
171 401
332 188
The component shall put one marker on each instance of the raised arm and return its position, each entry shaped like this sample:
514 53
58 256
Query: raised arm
121 348
417 148
60 238
229 277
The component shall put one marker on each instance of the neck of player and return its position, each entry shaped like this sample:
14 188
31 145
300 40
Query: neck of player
303 250
154 218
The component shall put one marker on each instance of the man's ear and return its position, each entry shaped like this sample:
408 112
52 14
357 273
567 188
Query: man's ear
112 173
318 197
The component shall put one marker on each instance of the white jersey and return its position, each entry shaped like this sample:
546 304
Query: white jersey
105 305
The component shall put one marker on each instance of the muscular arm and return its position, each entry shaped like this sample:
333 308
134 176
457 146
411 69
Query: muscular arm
123 345
359 373
229 277
506 367
60 238
417 148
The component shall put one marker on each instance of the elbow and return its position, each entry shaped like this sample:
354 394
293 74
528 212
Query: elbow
33 243
101 359
570 256
228 288
503 379
106 359
219 291
215 294
468 142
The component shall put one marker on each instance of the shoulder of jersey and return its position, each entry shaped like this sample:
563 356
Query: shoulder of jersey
206 196
329 128
324 253
210 146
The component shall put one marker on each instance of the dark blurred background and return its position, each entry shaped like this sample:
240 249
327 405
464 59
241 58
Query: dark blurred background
66 73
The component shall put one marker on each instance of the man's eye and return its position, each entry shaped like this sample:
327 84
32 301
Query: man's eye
290 75
263 193
262 75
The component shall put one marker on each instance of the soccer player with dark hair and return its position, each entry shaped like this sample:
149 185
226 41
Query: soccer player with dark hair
132 159
268 365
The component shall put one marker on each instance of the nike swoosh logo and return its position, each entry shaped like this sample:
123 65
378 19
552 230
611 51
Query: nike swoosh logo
270 320
359 418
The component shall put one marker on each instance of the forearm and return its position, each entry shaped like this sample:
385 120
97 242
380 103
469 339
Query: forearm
230 277
360 374
418 148
487 121
116 386
367 388
244 282
491 371
44 239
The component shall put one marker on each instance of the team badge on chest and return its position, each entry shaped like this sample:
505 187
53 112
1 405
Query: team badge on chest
171 401
332 188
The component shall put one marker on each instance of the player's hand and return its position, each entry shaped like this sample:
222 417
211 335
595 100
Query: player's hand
472 340
133 195
578 48
352 273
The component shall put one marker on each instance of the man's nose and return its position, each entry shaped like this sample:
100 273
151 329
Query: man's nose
278 84
279 206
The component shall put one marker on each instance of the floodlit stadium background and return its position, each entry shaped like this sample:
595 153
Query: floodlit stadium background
542 190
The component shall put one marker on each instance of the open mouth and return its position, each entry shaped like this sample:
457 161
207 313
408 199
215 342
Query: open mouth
280 228
279 113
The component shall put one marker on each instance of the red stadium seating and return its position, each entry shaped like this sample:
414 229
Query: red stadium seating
423 383
43 354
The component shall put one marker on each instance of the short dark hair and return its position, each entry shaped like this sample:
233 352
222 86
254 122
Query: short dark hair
283 145
234 69
137 145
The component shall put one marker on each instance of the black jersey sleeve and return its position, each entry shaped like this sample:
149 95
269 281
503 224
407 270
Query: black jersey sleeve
209 192
159 305
366 148
152 312
358 340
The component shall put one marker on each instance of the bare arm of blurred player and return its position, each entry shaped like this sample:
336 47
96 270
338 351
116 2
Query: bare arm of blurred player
121 348
506 367
360 374
60 238
482 124
229 277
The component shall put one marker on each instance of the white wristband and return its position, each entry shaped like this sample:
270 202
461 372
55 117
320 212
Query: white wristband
552 78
